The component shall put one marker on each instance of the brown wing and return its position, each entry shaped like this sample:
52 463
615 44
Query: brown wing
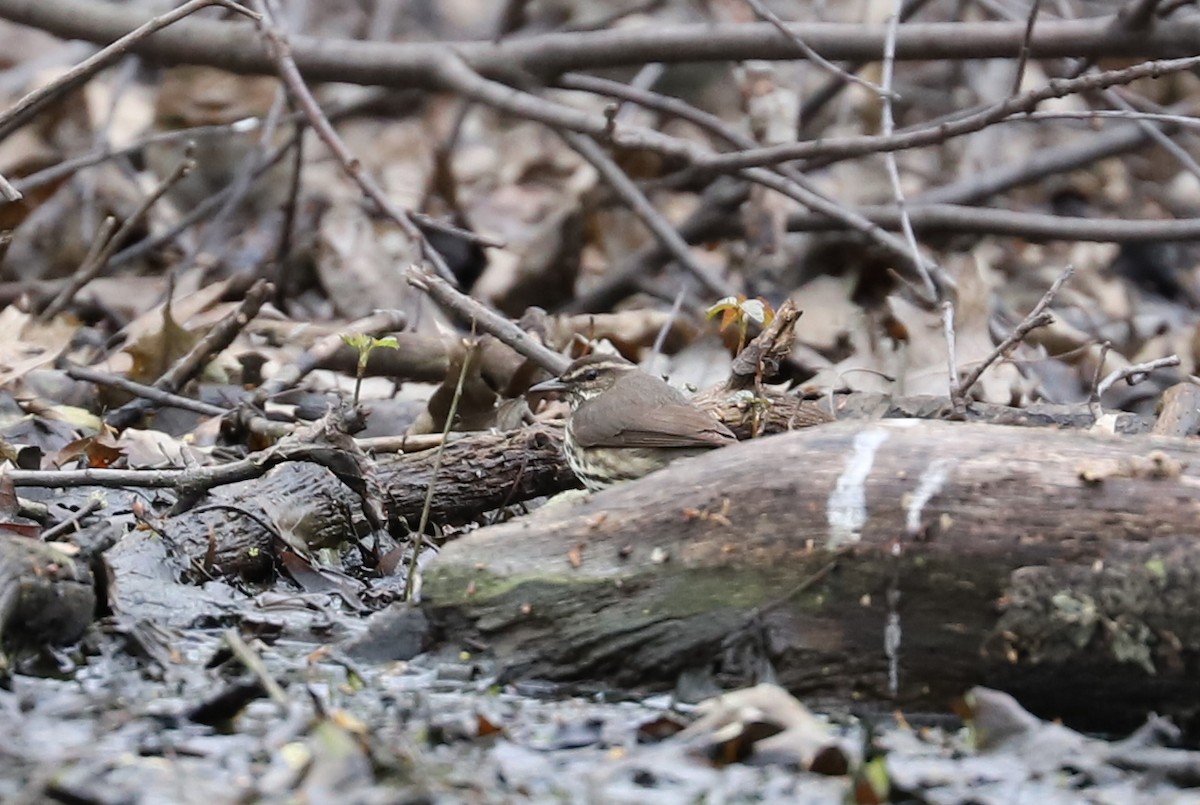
675 426
661 418
664 418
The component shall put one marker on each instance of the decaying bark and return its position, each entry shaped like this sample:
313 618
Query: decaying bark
236 530
47 597
1062 566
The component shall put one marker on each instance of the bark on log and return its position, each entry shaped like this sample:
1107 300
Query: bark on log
46 596
236 529
1061 566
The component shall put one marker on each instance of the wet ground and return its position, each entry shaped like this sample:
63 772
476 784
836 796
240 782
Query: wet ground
148 715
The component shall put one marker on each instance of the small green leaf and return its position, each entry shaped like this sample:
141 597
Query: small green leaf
357 340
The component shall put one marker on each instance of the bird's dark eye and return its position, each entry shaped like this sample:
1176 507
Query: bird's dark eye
590 374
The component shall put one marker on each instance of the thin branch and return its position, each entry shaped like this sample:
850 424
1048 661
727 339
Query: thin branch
935 292
410 581
1135 373
1023 58
1039 165
20 114
665 104
193 479
641 206
961 219
187 367
816 101
1038 317
286 66
472 311
838 148
717 210
764 13
162 398
789 181
95 263
1094 406
957 401
1155 133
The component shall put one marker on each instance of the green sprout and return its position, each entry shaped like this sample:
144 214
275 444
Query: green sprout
364 344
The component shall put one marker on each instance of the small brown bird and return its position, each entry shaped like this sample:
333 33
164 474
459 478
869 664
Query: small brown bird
625 423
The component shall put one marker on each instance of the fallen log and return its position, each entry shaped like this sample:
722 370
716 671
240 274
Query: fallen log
897 560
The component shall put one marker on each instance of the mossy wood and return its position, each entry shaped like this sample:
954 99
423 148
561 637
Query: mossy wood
1060 565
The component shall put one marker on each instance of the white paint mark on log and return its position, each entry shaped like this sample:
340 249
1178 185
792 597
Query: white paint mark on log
930 483
846 509
892 638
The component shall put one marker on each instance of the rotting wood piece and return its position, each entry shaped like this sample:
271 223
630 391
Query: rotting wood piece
47 597
478 474
1059 565
235 530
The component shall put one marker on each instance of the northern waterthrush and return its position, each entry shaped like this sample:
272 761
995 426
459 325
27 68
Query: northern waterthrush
625 423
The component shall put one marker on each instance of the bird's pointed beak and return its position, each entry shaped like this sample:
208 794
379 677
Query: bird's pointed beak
553 384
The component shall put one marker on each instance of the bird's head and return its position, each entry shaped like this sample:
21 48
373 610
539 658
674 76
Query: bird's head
587 377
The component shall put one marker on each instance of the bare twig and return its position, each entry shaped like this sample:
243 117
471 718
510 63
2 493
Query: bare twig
187 367
813 103
281 52
198 213
1155 133
96 262
471 352
215 237
1135 17
961 219
193 479
1023 59
958 404
163 398
1050 162
406 443
1182 121
838 148
23 111
666 104
476 314
717 208
1135 373
934 292
276 273
106 152
667 325
790 181
641 206
1094 398
1038 317
764 13
72 523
